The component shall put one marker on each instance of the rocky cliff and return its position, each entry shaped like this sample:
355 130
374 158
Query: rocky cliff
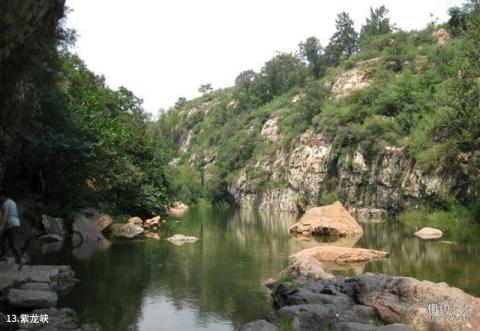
310 167
374 132
24 25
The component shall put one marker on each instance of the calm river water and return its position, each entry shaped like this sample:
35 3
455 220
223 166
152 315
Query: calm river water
217 282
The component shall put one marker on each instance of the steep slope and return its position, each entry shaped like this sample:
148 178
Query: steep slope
377 132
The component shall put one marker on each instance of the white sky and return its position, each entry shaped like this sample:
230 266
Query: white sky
164 49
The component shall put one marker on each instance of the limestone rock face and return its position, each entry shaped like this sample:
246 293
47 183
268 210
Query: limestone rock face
353 79
310 167
441 35
341 255
332 220
429 233
270 130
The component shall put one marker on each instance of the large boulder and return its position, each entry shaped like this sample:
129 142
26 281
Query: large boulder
376 299
306 265
341 255
88 225
332 220
127 230
25 298
429 233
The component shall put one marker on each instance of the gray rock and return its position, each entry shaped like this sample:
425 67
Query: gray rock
50 238
378 299
53 225
19 298
395 327
127 230
259 325
58 276
35 286
353 326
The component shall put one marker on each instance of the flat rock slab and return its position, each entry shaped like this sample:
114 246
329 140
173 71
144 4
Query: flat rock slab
59 277
341 255
20 298
180 239
331 220
429 233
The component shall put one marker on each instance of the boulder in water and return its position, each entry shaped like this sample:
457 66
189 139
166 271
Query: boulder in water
306 265
180 239
127 230
332 220
429 233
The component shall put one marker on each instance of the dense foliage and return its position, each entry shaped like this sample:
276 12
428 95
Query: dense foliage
90 146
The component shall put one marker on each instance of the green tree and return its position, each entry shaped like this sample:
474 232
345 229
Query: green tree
312 51
377 24
205 88
344 41
181 101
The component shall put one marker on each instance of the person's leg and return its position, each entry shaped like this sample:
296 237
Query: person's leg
3 245
14 238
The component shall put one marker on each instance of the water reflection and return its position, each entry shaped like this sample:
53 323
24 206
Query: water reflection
216 282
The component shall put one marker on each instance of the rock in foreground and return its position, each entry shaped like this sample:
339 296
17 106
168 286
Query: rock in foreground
57 276
370 300
429 233
180 239
20 298
341 255
331 220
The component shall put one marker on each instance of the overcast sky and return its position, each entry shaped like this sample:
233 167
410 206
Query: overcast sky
162 50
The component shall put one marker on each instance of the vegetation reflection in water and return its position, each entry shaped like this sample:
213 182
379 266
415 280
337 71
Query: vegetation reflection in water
217 282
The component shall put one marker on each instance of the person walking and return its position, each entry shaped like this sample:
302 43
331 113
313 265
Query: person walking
10 227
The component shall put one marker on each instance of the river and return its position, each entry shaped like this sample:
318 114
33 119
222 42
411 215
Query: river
217 282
